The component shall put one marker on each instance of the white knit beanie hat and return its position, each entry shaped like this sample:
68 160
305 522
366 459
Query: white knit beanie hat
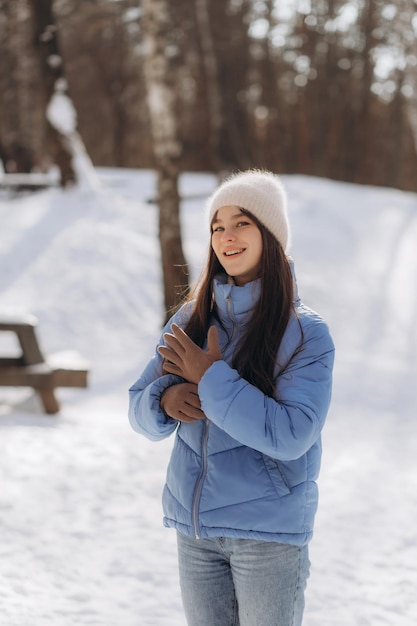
259 192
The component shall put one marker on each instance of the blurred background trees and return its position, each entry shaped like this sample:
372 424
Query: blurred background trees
325 88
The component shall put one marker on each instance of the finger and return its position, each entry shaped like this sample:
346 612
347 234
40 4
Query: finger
181 336
173 342
193 400
171 368
192 412
169 354
184 418
213 344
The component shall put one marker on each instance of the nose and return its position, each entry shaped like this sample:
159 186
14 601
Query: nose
228 234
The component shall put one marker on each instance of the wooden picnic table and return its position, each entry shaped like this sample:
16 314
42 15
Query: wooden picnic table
32 369
26 182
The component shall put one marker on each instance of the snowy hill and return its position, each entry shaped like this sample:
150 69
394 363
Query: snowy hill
81 539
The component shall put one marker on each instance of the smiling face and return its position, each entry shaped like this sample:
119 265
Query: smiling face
237 243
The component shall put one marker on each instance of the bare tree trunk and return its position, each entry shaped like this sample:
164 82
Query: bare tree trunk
214 102
161 96
411 78
46 44
365 119
19 104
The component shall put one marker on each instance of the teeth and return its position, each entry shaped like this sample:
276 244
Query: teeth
232 252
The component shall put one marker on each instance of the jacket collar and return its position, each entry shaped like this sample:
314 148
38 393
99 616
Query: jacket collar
234 303
237 302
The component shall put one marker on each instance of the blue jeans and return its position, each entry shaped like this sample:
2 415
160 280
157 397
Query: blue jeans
242 582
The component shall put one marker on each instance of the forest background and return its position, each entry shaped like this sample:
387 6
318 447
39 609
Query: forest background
325 88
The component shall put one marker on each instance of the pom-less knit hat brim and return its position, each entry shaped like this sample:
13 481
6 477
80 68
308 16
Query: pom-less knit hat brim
259 192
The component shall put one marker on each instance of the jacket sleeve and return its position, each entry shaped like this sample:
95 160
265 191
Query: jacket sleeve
145 414
284 428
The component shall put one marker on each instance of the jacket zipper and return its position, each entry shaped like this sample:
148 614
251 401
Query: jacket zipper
199 486
232 319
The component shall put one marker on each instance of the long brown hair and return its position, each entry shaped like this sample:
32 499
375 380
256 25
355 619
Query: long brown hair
255 355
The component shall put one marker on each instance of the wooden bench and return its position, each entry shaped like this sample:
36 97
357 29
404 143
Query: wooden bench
26 182
31 369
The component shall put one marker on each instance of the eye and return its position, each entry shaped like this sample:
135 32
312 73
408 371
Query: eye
243 223
217 229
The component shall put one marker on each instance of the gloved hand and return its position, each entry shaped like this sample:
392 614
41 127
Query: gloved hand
181 402
184 358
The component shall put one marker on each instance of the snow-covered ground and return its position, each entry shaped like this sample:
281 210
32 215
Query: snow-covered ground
81 538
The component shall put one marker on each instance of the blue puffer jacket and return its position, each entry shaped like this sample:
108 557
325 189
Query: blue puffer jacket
249 469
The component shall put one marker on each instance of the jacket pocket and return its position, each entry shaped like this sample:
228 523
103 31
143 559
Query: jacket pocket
276 476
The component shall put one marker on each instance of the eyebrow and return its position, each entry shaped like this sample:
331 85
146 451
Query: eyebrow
232 217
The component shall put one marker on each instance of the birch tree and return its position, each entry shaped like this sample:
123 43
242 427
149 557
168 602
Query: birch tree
159 55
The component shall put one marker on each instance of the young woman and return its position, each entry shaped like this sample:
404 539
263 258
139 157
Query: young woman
242 374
